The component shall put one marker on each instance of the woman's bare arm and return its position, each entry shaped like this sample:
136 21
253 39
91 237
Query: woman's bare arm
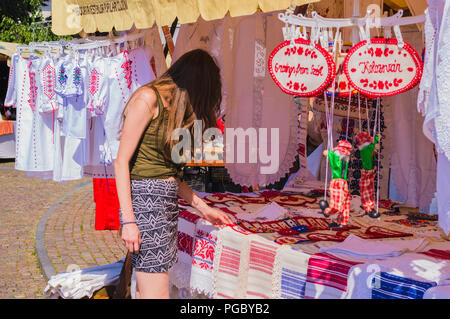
140 110
213 215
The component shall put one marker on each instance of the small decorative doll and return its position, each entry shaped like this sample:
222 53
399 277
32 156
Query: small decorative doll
367 146
339 207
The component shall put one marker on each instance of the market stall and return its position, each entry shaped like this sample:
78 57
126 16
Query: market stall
282 244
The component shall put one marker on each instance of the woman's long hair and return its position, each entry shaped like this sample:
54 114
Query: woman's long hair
192 89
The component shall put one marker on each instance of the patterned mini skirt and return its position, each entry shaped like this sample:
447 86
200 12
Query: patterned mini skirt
155 206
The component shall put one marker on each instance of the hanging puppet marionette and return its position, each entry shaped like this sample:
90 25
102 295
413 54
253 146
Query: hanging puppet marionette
367 146
339 207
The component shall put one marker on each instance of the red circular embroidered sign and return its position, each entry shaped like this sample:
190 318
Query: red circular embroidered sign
383 69
301 70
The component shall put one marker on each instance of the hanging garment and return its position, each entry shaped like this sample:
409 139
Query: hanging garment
254 101
427 98
75 113
413 165
442 121
120 90
34 132
99 162
141 70
98 87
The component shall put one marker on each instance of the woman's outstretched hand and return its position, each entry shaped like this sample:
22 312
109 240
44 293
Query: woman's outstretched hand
216 217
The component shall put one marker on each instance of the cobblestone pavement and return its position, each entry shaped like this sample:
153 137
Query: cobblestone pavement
70 237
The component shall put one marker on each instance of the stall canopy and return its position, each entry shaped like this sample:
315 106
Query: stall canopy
73 16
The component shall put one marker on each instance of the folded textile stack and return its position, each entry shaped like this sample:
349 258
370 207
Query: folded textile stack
358 247
84 282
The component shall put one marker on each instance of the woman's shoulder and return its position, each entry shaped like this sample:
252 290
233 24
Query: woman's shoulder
145 93
143 99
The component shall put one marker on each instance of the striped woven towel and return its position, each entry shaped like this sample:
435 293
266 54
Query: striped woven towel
438 253
232 250
396 287
327 276
289 273
261 262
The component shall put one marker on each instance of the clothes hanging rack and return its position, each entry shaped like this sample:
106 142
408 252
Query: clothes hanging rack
78 44
317 21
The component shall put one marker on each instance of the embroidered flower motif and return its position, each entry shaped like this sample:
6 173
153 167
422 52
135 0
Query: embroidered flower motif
62 76
77 76
378 52
94 82
49 79
127 69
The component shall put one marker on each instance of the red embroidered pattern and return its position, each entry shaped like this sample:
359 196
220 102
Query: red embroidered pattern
185 243
94 82
205 244
49 80
127 68
33 89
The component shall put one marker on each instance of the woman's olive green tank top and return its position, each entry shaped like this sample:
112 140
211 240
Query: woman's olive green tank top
148 161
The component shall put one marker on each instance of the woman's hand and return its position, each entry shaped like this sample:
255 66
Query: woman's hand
216 217
131 237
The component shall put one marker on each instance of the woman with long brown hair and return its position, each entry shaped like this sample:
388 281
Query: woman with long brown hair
148 180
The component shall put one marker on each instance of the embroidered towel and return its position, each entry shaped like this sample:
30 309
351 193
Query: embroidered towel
396 287
230 261
327 276
201 280
289 273
260 267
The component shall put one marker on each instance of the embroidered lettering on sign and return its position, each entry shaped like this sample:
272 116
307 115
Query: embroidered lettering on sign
104 7
301 70
382 68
